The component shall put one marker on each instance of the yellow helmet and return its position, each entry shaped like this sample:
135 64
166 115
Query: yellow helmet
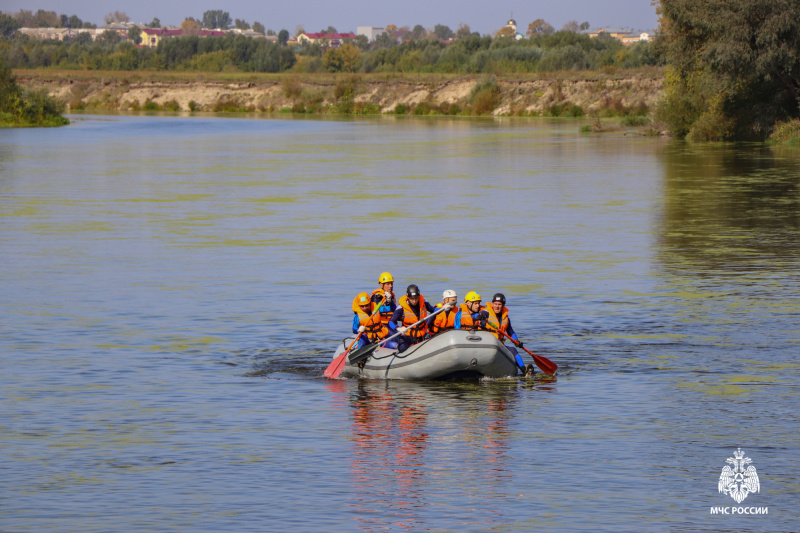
385 278
362 299
472 296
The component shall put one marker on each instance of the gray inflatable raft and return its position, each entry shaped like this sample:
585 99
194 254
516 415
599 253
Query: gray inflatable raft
456 353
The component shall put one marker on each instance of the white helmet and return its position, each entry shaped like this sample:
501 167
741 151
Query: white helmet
449 294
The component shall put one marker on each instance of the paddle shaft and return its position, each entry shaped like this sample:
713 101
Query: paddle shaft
545 364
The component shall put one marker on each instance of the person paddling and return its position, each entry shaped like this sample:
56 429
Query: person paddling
366 321
498 323
446 319
469 313
384 294
411 308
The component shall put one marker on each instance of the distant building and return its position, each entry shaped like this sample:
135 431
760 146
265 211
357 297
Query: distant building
624 35
370 32
152 36
512 25
333 40
63 34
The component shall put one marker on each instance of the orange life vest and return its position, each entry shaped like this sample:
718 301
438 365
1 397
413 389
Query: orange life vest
444 320
375 329
497 323
410 317
386 316
466 318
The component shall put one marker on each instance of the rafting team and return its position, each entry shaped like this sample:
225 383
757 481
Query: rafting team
379 316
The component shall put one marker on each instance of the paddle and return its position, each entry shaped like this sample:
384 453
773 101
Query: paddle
366 351
337 365
545 364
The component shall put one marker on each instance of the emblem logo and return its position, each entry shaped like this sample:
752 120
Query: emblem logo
736 480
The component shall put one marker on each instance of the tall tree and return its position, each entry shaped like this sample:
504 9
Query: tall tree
116 16
539 27
443 32
734 66
155 23
417 32
135 35
8 25
572 26
259 28
283 37
463 31
584 26
217 19
241 24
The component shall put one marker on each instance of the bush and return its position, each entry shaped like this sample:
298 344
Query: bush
485 95
786 132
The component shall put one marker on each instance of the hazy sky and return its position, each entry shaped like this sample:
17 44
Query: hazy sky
344 15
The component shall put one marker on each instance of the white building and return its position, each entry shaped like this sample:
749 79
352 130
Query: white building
371 32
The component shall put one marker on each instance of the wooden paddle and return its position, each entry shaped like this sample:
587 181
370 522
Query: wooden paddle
366 351
545 364
337 365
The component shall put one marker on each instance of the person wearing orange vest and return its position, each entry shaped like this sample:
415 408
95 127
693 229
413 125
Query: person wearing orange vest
366 320
384 294
411 308
496 316
469 315
446 319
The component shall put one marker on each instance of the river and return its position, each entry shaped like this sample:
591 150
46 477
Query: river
174 287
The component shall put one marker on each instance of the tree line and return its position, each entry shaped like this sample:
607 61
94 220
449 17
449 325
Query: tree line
562 50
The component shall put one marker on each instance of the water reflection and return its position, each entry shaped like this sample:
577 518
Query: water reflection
414 444
729 209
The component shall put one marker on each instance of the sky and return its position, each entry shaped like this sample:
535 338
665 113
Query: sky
347 15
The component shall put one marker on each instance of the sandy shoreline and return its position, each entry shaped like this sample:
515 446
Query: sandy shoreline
526 96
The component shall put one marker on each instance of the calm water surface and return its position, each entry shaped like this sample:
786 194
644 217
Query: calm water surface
173 288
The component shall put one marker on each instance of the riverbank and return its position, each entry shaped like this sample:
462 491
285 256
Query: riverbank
601 94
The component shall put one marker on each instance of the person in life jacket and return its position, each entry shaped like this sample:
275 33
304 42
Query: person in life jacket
384 294
447 318
411 308
469 314
496 316
367 321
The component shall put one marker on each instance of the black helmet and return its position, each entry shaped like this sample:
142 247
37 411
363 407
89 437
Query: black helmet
412 290
499 297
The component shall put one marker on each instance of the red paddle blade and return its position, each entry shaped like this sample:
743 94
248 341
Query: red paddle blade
336 366
545 364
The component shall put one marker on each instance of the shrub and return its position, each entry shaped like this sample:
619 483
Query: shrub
786 132
485 95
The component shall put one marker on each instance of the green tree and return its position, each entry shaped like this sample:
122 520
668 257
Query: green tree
135 35
418 32
733 66
8 25
259 28
463 31
116 16
584 26
216 19
241 24
74 22
443 32
539 26
155 23
283 37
